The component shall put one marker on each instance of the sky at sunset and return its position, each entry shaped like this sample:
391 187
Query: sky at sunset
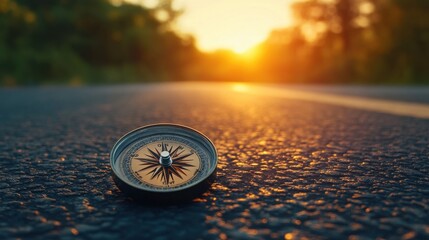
236 25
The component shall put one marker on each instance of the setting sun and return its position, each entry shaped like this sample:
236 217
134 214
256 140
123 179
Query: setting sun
235 25
240 87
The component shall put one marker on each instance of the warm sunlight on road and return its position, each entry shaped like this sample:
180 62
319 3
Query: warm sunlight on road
417 110
293 163
236 25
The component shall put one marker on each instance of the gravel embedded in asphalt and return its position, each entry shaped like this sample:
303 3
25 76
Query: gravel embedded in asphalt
287 168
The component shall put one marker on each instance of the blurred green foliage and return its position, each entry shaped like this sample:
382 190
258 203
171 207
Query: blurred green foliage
80 41
96 41
351 41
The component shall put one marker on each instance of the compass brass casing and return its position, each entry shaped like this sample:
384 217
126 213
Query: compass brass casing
164 163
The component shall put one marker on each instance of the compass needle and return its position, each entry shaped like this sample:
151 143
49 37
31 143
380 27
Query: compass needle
182 168
147 163
146 160
173 170
178 154
173 154
155 155
179 170
166 175
153 170
151 156
184 164
157 172
183 157
146 168
171 175
185 160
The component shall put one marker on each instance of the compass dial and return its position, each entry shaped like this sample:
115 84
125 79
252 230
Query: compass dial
181 165
163 161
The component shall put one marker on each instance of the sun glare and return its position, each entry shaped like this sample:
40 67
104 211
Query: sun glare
240 87
235 25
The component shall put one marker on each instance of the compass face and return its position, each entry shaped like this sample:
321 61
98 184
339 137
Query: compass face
163 158
147 167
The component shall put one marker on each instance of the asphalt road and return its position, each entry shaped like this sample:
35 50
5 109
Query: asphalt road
288 168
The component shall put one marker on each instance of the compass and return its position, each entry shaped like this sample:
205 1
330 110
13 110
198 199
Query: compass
163 163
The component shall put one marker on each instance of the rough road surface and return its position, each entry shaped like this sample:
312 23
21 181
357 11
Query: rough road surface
287 168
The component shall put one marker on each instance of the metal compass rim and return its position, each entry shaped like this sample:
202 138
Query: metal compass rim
117 149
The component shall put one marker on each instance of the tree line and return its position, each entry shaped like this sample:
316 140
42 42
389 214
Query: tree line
100 41
352 41
80 41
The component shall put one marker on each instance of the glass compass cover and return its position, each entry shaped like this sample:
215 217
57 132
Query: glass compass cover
164 162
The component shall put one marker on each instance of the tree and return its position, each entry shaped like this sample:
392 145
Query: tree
359 41
89 41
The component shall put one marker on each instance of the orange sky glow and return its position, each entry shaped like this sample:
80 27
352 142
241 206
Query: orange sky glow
237 25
